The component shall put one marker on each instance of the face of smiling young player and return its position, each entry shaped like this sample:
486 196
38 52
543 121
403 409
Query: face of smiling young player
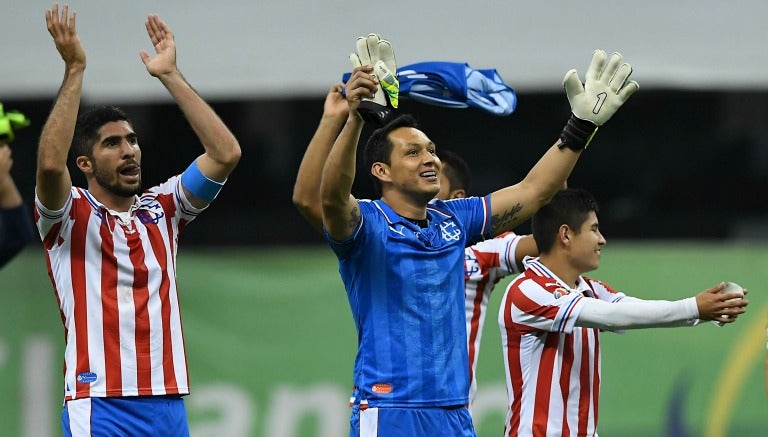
585 246
414 166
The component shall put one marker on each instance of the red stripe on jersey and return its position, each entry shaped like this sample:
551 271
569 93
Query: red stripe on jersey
140 302
526 305
167 202
544 384
565 379
585 382
156 242
515 370
109 307
77 269
50 238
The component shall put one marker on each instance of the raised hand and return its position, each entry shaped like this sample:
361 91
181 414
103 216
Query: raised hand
335 104
377 52
6 162
606 88
165 48
64 32
362 85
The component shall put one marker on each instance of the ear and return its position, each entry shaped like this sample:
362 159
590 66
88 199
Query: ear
381 171
458 193
564 235
84 164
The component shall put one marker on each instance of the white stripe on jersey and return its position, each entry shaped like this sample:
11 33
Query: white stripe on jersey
116 286
485 263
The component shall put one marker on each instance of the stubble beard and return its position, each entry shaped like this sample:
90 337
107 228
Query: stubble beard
102 178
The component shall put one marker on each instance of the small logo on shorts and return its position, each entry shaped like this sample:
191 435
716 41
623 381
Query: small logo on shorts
382 389
86 377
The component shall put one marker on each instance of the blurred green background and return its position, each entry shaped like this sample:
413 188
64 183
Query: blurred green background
271 345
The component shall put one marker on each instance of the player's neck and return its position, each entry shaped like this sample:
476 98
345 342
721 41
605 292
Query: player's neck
562 268
110 200
406 206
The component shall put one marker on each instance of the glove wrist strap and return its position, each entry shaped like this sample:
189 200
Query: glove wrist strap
374 113
577 133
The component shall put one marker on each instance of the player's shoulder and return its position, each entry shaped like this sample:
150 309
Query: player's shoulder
598 285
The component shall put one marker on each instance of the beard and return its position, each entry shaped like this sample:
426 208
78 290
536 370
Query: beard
103 178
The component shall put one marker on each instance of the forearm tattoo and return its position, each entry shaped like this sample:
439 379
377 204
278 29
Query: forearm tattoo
354 218
506 220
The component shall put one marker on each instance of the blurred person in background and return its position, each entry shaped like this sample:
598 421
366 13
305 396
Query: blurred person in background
111 248
16 225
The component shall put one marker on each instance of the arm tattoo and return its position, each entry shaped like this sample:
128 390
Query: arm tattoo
506 220
354 218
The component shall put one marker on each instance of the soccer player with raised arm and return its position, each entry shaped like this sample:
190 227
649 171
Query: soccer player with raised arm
551 318
111 248
486 262
401 257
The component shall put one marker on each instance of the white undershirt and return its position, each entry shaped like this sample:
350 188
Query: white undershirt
637 313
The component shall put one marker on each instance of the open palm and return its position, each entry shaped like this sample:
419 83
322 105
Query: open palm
161 36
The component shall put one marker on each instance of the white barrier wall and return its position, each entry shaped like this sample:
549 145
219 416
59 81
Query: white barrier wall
240 48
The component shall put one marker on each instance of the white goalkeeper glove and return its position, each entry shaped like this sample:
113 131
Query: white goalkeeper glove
593 103
377 52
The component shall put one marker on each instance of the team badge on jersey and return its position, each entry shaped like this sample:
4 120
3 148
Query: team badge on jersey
450 231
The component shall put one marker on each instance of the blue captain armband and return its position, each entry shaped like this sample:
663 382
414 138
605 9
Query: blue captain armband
199 184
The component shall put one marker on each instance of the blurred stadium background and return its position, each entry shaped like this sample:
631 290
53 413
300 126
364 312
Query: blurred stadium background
680 172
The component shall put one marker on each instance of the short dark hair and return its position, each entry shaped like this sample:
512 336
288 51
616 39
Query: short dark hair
456 170
379 147
87 128
567 207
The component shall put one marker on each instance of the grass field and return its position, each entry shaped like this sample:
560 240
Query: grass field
271 344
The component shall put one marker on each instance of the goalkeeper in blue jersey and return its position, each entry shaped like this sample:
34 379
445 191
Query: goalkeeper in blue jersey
401 257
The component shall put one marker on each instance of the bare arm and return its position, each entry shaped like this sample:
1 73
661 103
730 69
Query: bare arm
341 213
515 204
306 190
222 151
53 178
525 247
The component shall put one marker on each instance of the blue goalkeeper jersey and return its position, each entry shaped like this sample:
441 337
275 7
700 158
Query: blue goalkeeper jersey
405 287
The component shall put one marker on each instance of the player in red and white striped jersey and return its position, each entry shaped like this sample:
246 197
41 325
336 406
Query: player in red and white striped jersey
111 249
551 318
485 262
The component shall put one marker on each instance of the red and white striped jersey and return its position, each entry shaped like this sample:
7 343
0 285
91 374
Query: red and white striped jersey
485 263
552 366
115 281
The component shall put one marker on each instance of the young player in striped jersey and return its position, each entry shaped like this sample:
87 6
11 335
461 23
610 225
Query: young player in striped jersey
551 318
401 257
486 262
111 248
